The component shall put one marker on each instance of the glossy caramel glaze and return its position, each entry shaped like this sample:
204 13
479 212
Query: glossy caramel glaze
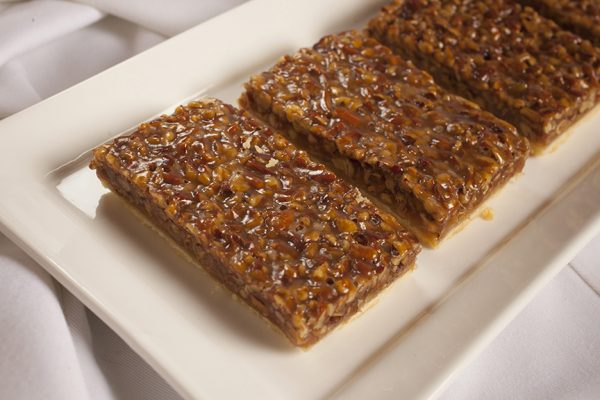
506 57
430 155
297 243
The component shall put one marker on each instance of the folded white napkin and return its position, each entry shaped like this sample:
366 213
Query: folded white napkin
51 347
37 357
47 46
163 16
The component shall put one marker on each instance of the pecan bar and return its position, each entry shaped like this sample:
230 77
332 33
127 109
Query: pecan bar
579 16
506 57
385 125
295 242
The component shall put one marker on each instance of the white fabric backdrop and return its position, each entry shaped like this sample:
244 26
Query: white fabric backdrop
51 347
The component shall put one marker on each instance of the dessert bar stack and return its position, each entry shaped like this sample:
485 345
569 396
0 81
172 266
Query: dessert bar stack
239 191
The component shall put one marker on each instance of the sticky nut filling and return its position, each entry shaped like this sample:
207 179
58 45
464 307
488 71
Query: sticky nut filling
579 16
510 60
298 244
384 124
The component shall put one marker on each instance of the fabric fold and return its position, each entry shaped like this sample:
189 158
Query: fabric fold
163 16
37 359
24 26
58 64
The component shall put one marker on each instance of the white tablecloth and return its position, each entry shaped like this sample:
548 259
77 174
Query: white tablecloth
51 347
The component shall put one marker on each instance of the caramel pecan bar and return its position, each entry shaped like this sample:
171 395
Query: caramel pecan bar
506 57
386 126
579 16
295 242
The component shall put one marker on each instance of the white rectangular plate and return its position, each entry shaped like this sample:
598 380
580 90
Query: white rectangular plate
208 345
